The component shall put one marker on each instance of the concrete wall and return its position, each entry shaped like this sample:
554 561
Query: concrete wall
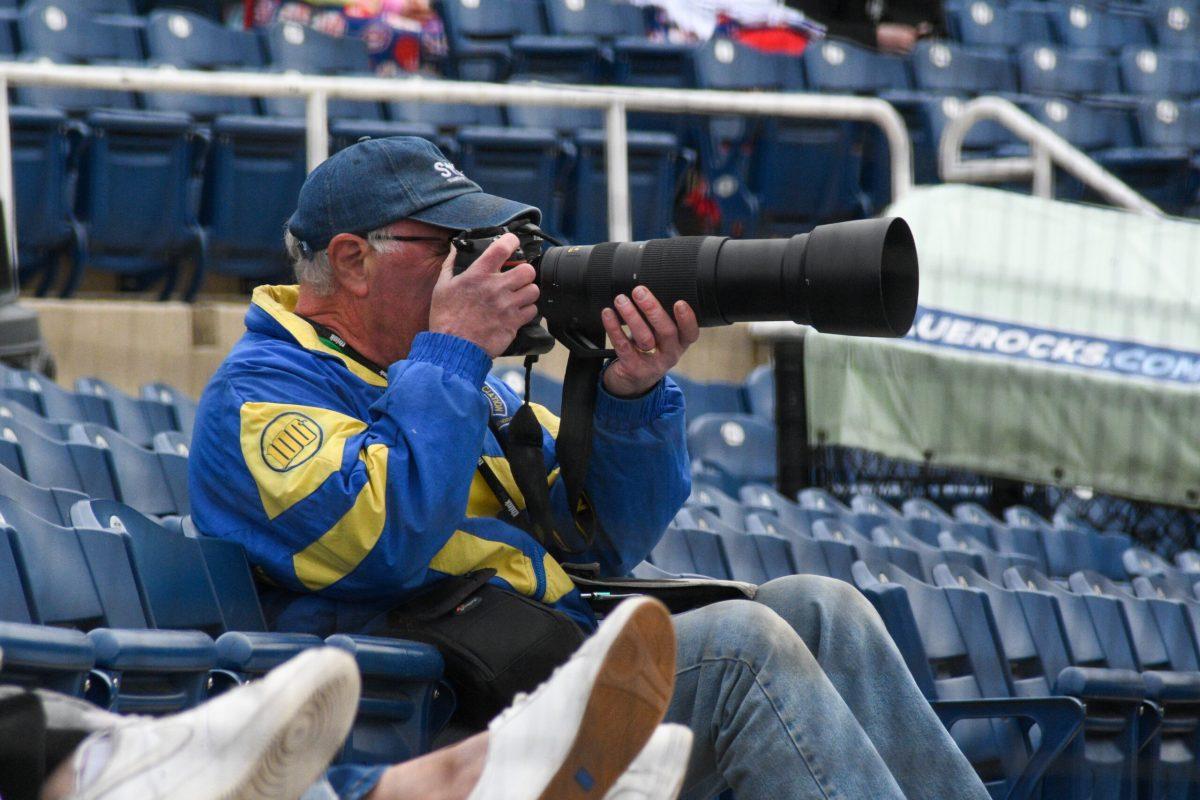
133 342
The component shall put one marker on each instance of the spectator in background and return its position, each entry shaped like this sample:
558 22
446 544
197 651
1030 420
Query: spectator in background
893 26
401 35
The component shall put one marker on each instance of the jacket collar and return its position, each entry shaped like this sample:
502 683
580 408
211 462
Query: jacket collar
273 313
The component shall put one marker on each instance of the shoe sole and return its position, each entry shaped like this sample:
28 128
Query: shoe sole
305 729
628 700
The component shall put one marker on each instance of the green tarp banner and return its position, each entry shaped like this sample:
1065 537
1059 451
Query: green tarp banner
1056 343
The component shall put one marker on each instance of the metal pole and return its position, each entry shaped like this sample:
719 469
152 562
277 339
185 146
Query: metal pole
317 121
793 455
1043 172
7 195
616 160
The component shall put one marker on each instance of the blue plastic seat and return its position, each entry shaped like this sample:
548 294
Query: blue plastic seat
638 61
652 159
925 509
725 507
481 35
1188 560
1038 658
1170 125
981 23
18 408
69 33
893 535
865 522
848 68
1050 70
709 397
949 68
1067 550
296 48
738 447
1025 517
182 406
52 463
136 192
821 500
696 552
137 419
994 564
759 391
948 640
153 483
51 400
774 507
698 517
45 150
1022 541
1088 27
1177 26
52 505
1140 561
521 164
876 555
928 117
1159 73
255 170
188 40
758 558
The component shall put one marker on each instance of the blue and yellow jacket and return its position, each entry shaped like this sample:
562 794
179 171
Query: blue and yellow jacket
350 491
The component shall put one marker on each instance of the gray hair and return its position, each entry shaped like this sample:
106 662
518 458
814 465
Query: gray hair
315 271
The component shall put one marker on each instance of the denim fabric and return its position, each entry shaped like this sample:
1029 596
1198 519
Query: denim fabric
348 782
802 694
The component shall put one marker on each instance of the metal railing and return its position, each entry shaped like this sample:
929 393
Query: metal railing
1046 149
319 90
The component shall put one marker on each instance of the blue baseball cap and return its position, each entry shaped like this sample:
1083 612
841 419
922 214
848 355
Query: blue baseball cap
378 181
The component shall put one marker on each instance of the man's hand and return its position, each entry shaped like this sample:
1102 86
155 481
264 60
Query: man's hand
484 305
895 38
654 343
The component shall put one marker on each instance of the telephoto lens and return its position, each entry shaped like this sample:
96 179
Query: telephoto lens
856 278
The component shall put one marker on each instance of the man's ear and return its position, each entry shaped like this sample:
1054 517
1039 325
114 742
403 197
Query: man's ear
347 257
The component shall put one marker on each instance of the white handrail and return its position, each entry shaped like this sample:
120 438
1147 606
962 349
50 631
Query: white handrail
1046 148
319 90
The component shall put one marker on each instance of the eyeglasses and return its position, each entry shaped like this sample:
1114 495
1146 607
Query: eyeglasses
443 242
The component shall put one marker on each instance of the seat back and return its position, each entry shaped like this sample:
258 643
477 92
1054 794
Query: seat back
946 67
170 566
715 397
1068 550
759 391
190 41
58 465
296 48
52 505
758 558
986 24
725 507
1089 27
1100 641
26 417
135 418
725 64
848 68
1023 541
233 583
55 402
602 18
518 163
70 33
1149 645
740 447
652 172
1049 70
54 570
14 605
1177 26
43 145
182 406
1140 561
139 475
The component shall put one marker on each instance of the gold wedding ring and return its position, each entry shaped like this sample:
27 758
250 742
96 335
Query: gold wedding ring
649 352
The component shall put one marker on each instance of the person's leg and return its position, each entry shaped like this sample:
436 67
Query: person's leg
767 721
847 637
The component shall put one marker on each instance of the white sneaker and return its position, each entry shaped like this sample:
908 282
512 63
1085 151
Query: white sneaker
267 740
657 773
578 732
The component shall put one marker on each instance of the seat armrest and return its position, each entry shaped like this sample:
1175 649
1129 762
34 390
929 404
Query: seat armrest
1179 687
258 652
1060 720
52 658
1101 684
150 671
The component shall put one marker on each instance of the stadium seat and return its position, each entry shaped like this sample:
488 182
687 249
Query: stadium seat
652 159
873 504
1067 550
1188 560
183 407
152 483
994 564
893 535
945 67
1025 517
52 401
848 68
56 464
876 555
737 447
45 152
1022 541
445 117
188 40
821 500
947 640
683 551
758 558
52 505
292 47
1038 658
1139 562
136 191
134 418
255 170
524 165
1159 73
1177 26
18 408
759 391
480 36
40 656
697 517
981 23
1089 27
645 63
76 586
69 33
725 507
713 397
1058 71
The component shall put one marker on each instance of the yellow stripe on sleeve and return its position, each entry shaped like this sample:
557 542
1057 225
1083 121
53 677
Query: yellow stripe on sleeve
351 539
465 553
290 450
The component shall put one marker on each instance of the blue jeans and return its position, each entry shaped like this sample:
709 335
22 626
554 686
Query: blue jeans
803 694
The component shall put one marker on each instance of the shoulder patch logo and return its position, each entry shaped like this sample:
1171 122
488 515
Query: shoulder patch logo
289 440
499 407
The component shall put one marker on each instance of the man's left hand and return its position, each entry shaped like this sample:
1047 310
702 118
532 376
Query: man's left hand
653 345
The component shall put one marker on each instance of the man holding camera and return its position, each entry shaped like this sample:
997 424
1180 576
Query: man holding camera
355 445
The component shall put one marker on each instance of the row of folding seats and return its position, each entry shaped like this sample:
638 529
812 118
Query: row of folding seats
1014 25
989 631
105 603
209 181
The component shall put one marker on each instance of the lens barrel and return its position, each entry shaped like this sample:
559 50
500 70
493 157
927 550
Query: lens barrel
858 278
